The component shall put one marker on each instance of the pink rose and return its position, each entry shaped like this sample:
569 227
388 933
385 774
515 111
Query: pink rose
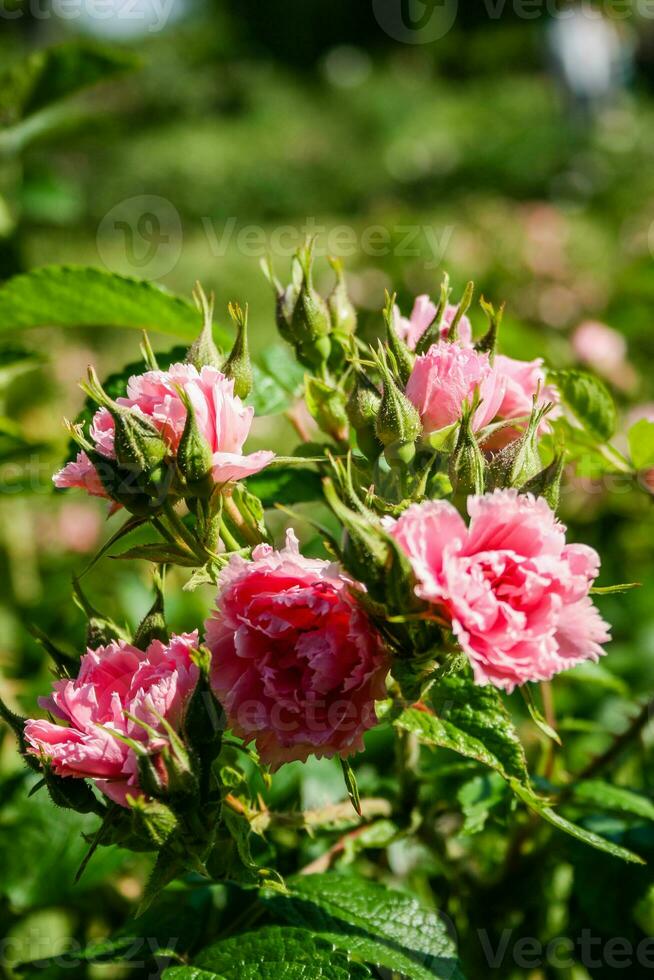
410 329
296 663
447 376
115 681
515 593
521 379
222 418
599 346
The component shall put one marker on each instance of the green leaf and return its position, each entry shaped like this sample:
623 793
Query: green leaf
472 721
77 296
537 717
607 797
278 380
641 444
588 399
351 785
372 923
170 927
161 554
272 953
47 76
542 808
477 798
286 485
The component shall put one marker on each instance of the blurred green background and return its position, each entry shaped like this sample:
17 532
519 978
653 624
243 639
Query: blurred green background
492 151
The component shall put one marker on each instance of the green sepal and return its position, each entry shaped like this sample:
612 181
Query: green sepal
153 626
203 351
402 358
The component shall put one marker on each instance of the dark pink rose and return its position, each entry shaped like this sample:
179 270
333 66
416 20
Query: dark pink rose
296 663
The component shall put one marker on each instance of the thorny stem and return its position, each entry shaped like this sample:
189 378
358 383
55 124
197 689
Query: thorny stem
183 532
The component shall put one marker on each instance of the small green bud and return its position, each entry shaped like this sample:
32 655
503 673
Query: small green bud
362 410
71 793
138 445
520 461
432 334
404 358
238 365
461 310
100 629
203 352
311 318
194 458
153 626
398 422
122 486
547 483
467 463
488 343
137 441
342 312
303 317
204 722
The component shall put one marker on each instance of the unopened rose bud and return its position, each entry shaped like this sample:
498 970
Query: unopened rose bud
398 423
520 461
342 312
238 365
303 317
403 358
547 483
194 457
467 464
203 352
137 441
362 410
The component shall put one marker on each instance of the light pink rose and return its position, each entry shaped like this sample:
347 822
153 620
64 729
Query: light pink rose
515 594
113 681
80 473
521 379
410 329
447 376
222 418
296 663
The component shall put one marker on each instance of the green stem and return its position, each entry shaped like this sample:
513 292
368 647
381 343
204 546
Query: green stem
236 518
180 529
228 538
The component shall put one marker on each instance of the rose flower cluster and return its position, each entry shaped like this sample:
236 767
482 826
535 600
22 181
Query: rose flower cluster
297 650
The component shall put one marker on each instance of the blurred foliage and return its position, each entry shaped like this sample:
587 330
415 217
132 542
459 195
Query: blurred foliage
468 156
